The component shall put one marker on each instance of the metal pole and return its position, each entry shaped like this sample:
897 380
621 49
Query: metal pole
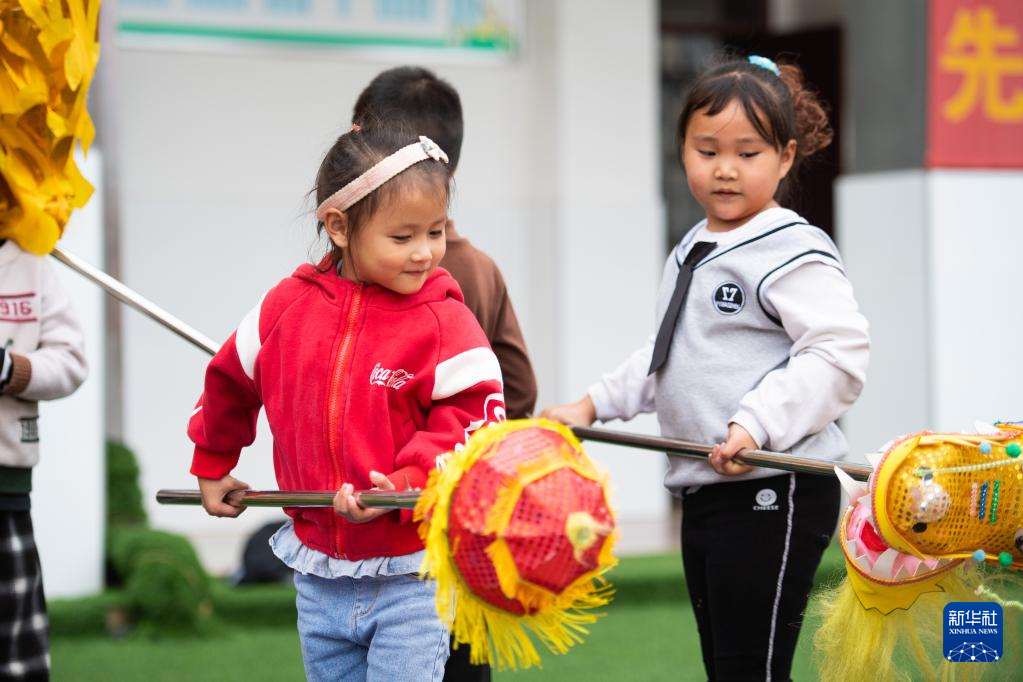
669 446
761 458
127 295
371 499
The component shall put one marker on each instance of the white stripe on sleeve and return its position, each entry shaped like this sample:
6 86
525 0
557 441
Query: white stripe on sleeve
246 340
464 370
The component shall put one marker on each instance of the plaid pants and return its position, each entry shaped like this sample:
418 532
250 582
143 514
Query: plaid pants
24 647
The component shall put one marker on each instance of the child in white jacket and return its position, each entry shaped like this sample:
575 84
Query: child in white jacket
41 358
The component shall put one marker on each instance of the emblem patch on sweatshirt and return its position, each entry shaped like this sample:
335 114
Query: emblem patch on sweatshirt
29 429
391 378
729 298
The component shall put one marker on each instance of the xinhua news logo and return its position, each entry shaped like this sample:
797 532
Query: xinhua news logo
973 632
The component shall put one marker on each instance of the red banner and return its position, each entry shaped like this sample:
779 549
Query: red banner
975 84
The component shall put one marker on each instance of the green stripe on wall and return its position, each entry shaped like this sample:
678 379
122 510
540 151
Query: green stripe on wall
301 37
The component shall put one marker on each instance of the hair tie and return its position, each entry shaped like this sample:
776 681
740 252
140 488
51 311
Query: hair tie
360 187
764 63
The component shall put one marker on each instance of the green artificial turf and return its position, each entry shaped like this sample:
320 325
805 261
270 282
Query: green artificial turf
652 642
647 633
235 655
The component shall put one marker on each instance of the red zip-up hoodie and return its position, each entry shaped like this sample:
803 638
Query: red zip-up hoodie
354 378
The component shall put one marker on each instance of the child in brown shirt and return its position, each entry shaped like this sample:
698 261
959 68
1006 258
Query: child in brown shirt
416 98
487 297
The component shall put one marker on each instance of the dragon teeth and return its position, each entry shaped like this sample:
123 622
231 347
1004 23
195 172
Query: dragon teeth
884 564
853 488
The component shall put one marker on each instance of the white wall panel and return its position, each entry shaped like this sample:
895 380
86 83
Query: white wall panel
933 256
977 239
883 238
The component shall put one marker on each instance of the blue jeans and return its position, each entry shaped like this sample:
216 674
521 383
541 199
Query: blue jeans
378 629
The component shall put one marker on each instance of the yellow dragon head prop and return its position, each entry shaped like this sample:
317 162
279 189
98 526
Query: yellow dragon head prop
935 504
934 500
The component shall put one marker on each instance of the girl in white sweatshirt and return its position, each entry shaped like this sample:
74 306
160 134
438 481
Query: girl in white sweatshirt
759 344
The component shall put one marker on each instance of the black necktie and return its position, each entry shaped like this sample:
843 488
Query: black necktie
667 330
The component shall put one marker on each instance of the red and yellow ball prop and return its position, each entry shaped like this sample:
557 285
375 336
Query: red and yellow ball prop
518 535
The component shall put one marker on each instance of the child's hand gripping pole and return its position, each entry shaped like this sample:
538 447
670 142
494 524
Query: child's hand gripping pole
215 494
348 505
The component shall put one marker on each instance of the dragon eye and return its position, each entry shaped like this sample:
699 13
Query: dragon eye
930 502
921 527
1018 540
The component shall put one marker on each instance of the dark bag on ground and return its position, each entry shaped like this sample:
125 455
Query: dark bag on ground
259 564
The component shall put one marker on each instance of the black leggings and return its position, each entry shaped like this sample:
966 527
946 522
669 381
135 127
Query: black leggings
459 669
750 550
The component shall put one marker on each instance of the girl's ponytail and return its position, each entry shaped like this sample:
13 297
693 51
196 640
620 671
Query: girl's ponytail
813 132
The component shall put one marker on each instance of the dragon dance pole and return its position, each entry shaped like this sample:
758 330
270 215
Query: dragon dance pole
669 446
125 294
406 499
760 458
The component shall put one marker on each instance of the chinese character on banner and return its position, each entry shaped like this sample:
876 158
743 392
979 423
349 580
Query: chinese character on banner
975 93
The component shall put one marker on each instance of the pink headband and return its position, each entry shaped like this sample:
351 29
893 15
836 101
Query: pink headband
384 170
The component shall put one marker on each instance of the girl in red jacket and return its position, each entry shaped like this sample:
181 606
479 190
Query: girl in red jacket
370 369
